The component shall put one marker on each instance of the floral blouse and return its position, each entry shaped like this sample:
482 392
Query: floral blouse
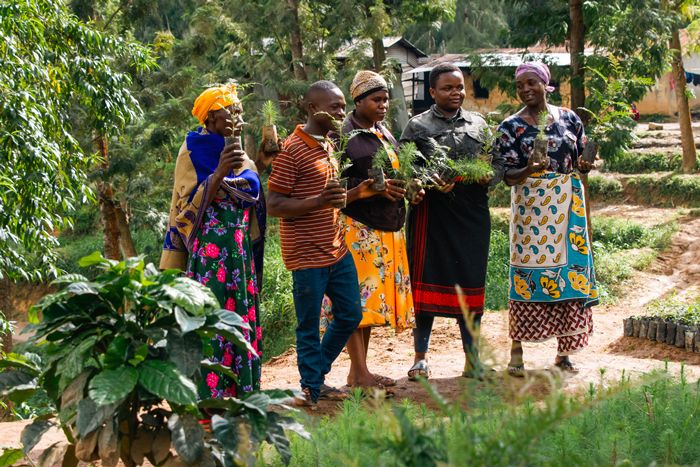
566 141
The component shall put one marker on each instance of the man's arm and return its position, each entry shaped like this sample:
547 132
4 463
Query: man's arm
280 205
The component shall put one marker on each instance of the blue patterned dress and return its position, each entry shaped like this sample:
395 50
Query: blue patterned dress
552 282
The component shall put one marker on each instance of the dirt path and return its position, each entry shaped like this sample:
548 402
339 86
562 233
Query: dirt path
607 358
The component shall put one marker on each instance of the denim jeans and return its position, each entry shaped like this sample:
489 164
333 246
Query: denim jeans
339 282
424 326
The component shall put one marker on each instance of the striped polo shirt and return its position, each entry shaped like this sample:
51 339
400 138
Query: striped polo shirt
301 171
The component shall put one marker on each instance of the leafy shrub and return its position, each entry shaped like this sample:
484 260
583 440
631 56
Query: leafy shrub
497 272
278 318
620 233
642 162
604 188
671 190
121 354
674 309
499 196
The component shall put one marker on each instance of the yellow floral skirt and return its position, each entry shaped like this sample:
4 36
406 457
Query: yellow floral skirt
382 270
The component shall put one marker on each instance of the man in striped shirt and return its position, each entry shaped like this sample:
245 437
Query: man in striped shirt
304 192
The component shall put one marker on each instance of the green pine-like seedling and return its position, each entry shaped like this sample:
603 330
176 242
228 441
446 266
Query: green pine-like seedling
270 113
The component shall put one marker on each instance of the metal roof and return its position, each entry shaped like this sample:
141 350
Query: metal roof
498 59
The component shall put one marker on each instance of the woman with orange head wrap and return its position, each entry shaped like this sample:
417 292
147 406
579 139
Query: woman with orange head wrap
215 217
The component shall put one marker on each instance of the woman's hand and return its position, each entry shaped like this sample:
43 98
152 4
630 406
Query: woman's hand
362 191
231 158
534 166
441 185
395 190
420 194
583 166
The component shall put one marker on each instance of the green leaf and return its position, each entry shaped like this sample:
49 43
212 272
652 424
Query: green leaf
187 322
94 259
117 352
10 456
230 333
140 355
32 433
15 381
226 432
21 362
164 380
190 295
219 368
111 386
82 288
75 361
91 416
185 351
231 319
187 437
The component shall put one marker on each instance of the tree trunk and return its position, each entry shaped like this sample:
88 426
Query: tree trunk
295 42
126 241
400 113
576 46
378 53
687 139
110 223
6 308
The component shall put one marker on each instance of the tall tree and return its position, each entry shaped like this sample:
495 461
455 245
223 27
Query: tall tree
688 11
52 66
576 49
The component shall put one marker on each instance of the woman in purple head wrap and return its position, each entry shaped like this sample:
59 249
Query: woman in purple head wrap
552 281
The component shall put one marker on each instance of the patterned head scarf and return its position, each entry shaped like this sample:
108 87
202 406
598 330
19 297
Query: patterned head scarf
214 98
539 69
365 83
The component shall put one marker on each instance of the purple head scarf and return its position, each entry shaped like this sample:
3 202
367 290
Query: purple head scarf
539 69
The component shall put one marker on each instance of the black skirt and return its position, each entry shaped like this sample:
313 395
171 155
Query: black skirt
448 244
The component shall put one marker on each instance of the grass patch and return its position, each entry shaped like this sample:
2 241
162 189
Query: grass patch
614 232
623 425
604 188
642 162
498 270
278 319
499 196
670 190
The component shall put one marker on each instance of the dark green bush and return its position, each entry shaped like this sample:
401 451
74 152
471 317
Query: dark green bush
497 272
642 162
604 188
670 190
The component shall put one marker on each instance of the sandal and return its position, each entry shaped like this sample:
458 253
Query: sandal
329 393
566 366
420 368
516 371
384 380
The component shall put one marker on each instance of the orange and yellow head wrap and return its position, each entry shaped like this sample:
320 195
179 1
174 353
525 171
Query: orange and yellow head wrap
214 98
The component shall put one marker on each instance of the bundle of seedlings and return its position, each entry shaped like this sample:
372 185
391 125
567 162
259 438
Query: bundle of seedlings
270 117
473 169
380 162
539 149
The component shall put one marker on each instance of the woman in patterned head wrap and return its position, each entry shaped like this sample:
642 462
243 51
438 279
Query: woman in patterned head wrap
212 229
373 226
552 281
